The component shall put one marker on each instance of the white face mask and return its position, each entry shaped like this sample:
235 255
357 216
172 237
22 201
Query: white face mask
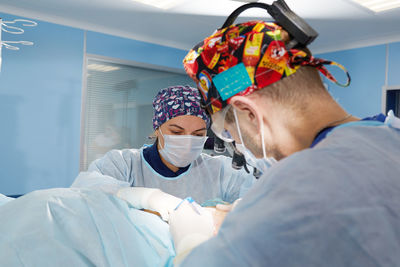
181 150
262 164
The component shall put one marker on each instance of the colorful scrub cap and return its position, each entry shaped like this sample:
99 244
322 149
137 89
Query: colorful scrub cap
176 101
242 58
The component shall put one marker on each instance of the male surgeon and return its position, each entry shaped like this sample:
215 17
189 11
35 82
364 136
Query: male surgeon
330 192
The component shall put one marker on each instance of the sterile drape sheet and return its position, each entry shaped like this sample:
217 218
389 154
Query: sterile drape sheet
80 227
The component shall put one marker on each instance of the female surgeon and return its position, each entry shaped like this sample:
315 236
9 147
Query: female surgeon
157 177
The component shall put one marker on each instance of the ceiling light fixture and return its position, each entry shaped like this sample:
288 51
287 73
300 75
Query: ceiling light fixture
246 1
102 68
163 4
379 5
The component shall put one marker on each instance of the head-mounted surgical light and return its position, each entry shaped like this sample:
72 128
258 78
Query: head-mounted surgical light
302 34
239 59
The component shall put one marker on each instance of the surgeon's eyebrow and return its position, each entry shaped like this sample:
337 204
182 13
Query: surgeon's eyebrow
202 129
177 126
181 128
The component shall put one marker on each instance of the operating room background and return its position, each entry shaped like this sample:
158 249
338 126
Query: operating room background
117 104
41 96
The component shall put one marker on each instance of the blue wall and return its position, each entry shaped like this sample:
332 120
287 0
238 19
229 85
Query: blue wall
367 69
40 101
394 64
127 49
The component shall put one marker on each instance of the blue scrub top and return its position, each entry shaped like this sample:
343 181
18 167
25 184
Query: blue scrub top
324 132
334 205
152 157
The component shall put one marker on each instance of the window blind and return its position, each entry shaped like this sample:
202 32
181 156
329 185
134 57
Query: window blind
117 110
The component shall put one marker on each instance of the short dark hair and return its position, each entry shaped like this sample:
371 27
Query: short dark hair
288 91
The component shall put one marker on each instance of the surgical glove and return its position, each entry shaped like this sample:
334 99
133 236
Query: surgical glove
150 198
229 207
190 225
218 217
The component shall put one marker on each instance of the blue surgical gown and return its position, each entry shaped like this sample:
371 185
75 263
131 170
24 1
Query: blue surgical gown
206 178
71 227
337 204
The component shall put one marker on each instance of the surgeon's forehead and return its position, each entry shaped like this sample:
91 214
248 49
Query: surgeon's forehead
187 122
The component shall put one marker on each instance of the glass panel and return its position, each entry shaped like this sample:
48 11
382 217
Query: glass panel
118 109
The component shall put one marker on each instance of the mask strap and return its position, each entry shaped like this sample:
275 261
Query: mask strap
262 141
269 160
159 128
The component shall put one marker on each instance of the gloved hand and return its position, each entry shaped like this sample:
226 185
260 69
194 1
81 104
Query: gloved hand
220 211
150 198
190 225
229 207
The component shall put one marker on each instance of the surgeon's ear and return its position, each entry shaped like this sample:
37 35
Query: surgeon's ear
246 106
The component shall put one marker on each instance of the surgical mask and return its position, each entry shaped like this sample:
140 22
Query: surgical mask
182 150
262 164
